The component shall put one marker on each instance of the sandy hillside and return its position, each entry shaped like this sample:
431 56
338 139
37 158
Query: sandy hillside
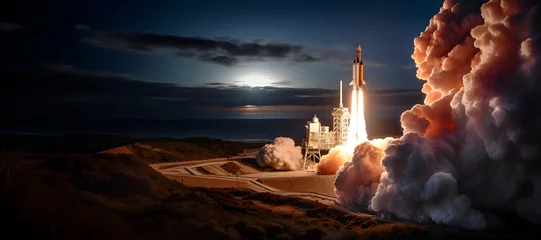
119 196
183 150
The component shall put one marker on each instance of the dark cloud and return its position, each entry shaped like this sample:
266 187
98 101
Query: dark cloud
57 90
223 60
224 51
82 27
283 83
10 27
218 84
305 58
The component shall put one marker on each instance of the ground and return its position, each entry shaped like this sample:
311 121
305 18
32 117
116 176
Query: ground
84 195
74 196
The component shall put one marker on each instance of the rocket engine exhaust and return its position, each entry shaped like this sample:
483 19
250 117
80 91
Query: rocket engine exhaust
476 142
362 136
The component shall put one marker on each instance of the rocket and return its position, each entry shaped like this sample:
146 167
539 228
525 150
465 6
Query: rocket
358 70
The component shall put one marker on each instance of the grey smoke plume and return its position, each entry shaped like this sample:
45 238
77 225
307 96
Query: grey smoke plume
419 186
477 140
281 154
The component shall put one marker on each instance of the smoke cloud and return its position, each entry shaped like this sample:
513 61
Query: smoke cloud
475 144
357 180
281 154
418 186
337 156
331 162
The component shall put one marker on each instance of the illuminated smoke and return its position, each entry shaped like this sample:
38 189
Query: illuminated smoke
281 154
420 187
331 162
357 180
476 141
338 155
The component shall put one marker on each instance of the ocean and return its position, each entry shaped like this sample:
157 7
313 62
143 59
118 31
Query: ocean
250 130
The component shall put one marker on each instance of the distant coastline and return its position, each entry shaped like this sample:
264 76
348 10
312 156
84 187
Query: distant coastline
243 130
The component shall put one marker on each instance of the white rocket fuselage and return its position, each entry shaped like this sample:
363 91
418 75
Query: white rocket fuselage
358 71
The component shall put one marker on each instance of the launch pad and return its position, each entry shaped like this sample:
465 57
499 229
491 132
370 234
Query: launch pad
242 172
349 128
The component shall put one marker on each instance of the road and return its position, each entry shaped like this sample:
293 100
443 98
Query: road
184 172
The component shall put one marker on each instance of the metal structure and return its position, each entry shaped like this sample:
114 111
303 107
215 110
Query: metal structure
319 138
312 145
340 122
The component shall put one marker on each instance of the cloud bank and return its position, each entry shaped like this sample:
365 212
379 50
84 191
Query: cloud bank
56 89
224 51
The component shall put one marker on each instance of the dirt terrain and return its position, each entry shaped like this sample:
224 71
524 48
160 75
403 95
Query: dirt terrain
52 195
119 196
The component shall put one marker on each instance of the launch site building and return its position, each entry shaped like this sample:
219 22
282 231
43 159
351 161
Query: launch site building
319 137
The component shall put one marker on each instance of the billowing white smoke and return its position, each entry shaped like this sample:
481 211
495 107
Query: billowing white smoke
357 180
477 140
331 162
281 154
337 156
418 186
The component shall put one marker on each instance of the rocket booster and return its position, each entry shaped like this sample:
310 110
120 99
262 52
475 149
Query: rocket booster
358 70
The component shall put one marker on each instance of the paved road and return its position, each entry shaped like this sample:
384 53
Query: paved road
184 173
180 171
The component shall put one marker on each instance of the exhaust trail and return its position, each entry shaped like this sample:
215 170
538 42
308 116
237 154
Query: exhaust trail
362 136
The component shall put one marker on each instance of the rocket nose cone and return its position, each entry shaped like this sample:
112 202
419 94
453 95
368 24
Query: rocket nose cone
358 47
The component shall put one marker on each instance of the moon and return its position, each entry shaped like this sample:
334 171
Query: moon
255 80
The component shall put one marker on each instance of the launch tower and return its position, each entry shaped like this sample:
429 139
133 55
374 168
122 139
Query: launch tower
340 116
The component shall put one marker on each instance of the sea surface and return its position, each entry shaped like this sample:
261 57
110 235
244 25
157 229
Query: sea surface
227 129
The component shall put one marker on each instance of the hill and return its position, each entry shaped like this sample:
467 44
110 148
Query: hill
89 196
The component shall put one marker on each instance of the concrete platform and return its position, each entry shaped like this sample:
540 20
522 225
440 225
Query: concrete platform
322 184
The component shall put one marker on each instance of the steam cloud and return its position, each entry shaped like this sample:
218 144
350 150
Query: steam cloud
337 156
357 180
476 141
419 186
331 162
281 154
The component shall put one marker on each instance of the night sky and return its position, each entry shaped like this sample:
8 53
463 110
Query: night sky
202 59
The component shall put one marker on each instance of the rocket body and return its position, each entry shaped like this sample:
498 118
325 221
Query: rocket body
358 70
357 125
